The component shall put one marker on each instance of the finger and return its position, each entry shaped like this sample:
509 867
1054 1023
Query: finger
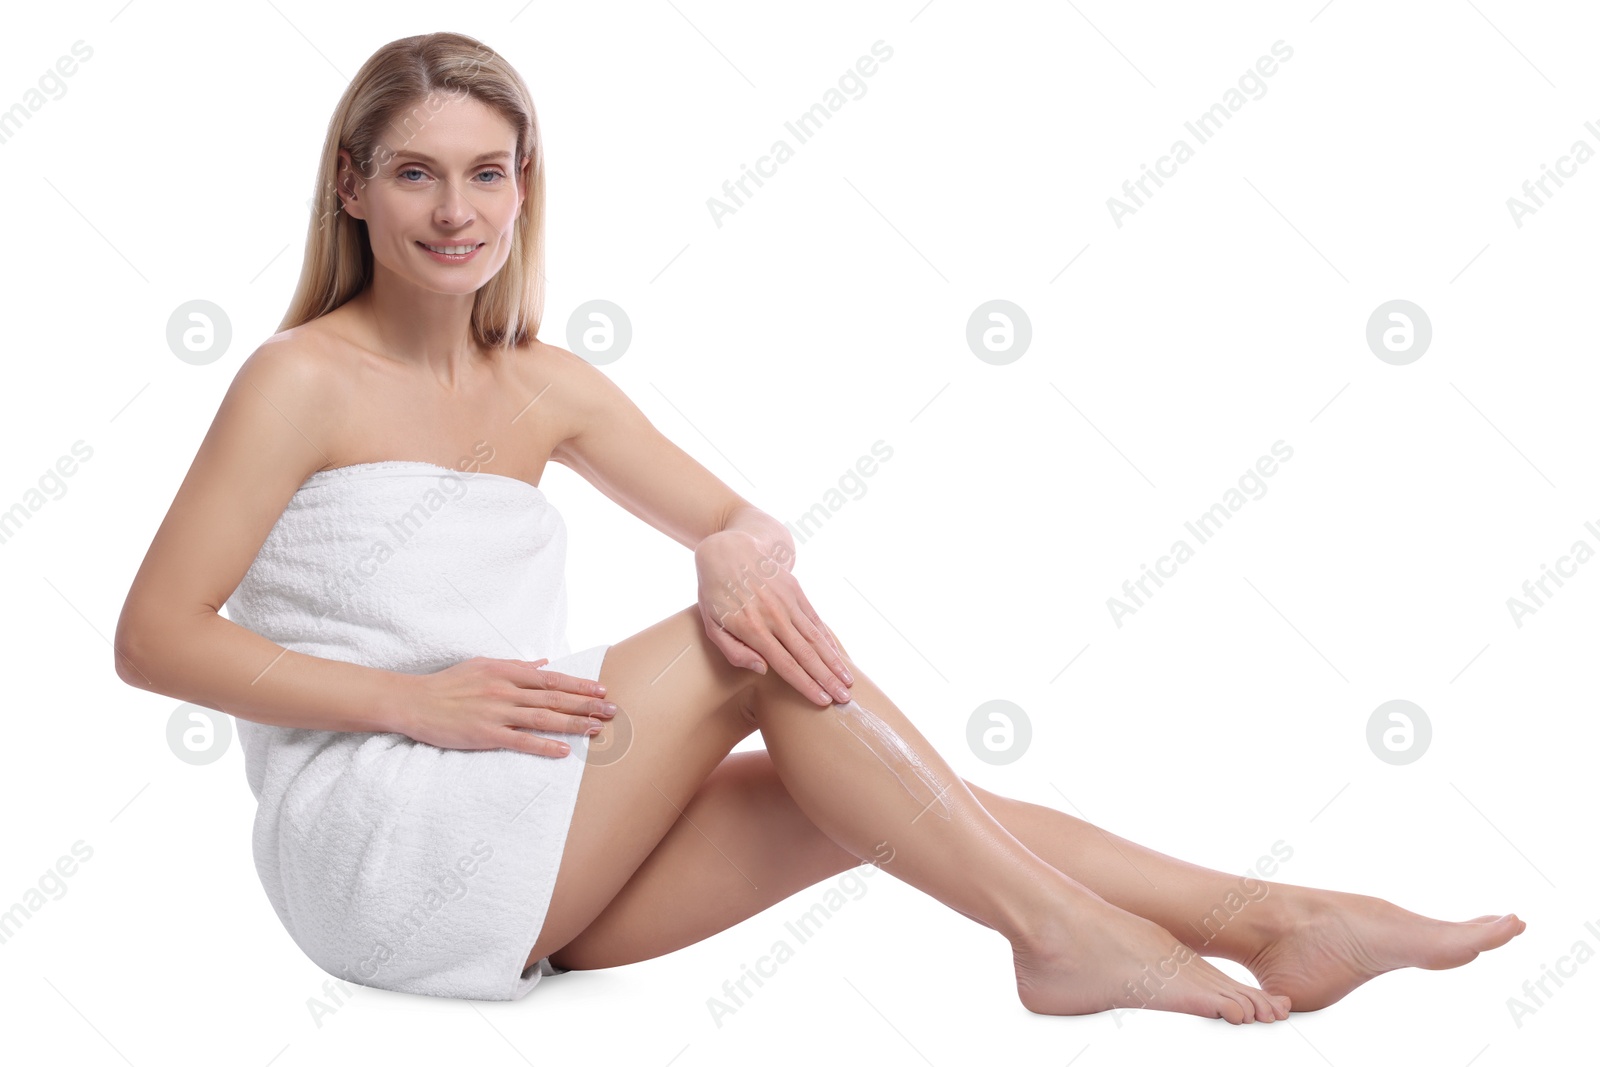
561 703
822 642
534 745
556 681
565 722
571 683
835 639
816 620
834 654
779 659
736 651
806 654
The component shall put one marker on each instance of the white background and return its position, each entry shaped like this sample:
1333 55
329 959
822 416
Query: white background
829 312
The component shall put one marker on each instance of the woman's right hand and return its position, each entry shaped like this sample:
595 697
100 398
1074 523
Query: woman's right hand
483 703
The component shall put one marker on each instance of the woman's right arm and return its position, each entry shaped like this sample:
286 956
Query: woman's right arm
266 439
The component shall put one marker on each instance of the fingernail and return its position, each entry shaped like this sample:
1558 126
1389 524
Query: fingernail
849 679
609 708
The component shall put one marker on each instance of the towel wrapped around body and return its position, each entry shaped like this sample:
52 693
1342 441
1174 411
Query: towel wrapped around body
390 862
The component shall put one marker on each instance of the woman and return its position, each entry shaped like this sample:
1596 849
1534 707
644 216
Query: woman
432 817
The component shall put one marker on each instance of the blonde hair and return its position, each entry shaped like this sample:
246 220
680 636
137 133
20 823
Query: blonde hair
400 80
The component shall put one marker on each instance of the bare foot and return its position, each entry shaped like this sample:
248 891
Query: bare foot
1100 957
1336 941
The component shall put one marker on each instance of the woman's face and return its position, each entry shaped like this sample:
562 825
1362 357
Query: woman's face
448 186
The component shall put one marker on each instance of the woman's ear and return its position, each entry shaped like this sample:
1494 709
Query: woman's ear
346 185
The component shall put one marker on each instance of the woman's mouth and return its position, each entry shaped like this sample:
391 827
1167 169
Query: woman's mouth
455 253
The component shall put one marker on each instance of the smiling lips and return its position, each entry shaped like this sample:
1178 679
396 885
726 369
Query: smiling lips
454 253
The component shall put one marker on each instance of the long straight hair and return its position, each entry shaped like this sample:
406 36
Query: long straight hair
396 90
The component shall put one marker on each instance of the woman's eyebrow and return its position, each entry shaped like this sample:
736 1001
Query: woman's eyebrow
420 157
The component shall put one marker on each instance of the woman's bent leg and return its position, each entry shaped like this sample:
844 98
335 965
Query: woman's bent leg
682 710
740 846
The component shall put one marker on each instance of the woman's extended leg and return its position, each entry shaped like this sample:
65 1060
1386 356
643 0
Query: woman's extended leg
1312 945
743 844
873 784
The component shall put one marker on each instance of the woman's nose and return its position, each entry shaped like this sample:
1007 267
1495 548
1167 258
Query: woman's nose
453 211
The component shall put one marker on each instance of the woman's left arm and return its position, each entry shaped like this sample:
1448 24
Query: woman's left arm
752 607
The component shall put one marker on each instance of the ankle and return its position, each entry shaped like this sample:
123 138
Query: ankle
1051 927
1279 914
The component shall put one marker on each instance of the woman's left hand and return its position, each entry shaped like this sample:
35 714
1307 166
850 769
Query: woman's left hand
754 611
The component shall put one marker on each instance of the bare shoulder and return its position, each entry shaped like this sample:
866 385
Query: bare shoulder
285 396
546 364
269 433
306 359
579 394
320 370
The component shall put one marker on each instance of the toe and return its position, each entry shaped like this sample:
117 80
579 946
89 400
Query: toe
1496 933
1231 1009
1264 1010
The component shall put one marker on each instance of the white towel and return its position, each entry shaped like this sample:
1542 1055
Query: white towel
390 862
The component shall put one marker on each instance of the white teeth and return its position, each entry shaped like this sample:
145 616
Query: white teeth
451 250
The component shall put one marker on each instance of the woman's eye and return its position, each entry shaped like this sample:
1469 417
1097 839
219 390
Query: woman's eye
401 174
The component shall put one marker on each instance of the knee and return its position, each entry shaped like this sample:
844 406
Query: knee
755 691
774 688
744 705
